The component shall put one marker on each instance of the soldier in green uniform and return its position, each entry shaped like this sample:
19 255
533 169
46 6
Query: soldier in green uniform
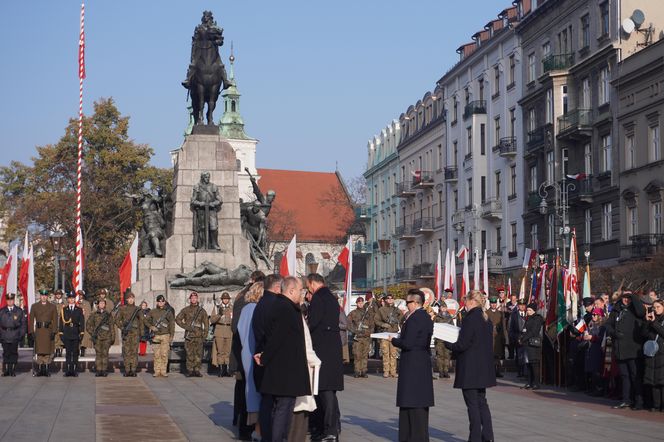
130 322
223 335
388 320
442 353
497 318
44 319
59 304
194 320
100 327
84 304
161 323
361 325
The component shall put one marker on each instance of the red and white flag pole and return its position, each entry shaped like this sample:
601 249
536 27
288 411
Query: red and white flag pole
78 271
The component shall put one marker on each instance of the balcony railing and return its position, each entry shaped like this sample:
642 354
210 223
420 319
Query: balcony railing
557 62
451 173
361 248
422 225
423 178
363 283
578 122
537 137
646 244
404 231
404 275
362 212
424 270
584 190
458 218
404 190
506 147
534 201
474 107
492 208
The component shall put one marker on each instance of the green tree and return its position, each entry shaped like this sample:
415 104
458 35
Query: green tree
43 196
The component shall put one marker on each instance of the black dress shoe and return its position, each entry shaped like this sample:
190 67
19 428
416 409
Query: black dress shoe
535 387
356 375
527 387
637 407
329 438
621 406
198 374
190 374
364 375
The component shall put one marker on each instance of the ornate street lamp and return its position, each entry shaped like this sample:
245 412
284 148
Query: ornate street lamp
384 246
56 241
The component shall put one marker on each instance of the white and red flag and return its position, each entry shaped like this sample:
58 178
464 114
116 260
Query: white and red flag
346 260
581 325
26 279
476 271
485 275
10 273
453 275
572 286
438 277
128 274
465 278
288 264
529 257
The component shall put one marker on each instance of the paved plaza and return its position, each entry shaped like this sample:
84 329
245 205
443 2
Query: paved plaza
179 408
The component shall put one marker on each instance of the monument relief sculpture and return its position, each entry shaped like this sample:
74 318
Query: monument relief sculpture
205 203
253 219
154 223
209 277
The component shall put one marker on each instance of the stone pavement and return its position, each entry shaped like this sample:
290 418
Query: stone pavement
200 409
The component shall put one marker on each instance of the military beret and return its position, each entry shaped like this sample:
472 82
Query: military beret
129 295
359 299
225 295
493 300
500 288
449 290
10 296
71 295
43 292
80 292
161 298
387 295
522 301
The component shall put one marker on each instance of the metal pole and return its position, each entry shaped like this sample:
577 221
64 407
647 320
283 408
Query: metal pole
57 271
385 274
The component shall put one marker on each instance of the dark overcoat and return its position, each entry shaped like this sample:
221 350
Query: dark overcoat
499 333
474 352
44 319
653 373
326 340
284 355
532 329
594 357
13 326
624 327
415 384
260 322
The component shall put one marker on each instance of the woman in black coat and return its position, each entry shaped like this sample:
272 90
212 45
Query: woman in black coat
415 384
531 339
474 366
594 357
653 374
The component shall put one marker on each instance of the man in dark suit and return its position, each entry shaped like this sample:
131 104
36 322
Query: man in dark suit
72 327
13 327
284 357
260 323
415 384
326 341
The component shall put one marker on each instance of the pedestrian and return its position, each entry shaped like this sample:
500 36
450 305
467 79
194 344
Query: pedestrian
194 320
442 353
497 318
72 329
100 327
284 357
59 303
145 333
129 319
44 318
388 320
530 340
653 375
415 384
13 328
514 328
594 355
361 325
474 366
161 322
324 328
624 327
223 335
510 307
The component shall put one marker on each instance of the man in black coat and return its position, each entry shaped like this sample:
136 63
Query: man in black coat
415 384
13 327
72 327
474 366
261 322
624 327
326 341
284 357
514 327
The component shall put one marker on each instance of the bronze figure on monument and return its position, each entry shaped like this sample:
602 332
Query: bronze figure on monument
154 223
253 219
205 203
209 277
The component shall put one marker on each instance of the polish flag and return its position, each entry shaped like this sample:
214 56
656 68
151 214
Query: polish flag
438 277
288 260
26 279
578 176
345 258
485 275
127 273
10 272
465 279
581 325
522 289
447 277
476 272
453 275
509 288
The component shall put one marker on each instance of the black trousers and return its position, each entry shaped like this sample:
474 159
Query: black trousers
265 417
413 424
479 415
631 381
240 409
282 413
658 397
327 415
534 373
72 352
10 352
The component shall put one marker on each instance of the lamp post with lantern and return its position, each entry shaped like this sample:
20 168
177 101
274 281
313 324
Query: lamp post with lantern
384 246
56 242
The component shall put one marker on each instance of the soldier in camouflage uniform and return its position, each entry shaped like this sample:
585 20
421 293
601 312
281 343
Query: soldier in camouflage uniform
388 320
129 320
59 305
194 320
161 323
223 335
361 325
442 353
101 330
84 304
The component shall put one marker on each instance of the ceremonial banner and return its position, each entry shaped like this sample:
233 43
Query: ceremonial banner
128 274
345 258
288 263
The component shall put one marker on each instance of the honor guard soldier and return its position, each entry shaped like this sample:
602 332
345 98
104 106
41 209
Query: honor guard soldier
13 327
194 320
129 320
361 326
497 317
223 335
44 317
110 305
72 328
388 320
59 303
161 323
100 327
84 304
442 353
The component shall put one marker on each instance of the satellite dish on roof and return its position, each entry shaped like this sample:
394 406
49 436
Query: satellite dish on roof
638 17
628 26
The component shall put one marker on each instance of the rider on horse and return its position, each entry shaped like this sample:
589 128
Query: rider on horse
206 34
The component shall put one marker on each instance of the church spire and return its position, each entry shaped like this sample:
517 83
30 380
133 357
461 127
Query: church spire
232 125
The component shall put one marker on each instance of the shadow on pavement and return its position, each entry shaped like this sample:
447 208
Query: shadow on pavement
222 415
390 429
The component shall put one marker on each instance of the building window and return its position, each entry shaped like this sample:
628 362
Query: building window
440 204
585 31
481 88
655 150
604 19
483 189
469 188
550 167
532 119
632 223
496 130
533 236
456 110
551 231
512 122
585 93
498 183
588 159
471 249
546 50
469 142
533 178
513 237
440 157
532 68
564 162
629 152
482 139
549 106
466 94
483 240
512 71
656 217
606 222
496 80
499 239
604 90
606 153
455 150
588 218
513 181
455 195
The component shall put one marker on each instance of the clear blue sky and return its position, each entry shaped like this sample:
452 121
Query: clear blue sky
318 78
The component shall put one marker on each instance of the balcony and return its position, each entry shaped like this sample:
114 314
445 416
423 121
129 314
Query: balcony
451 174
404 232
576 125
459 219
492 209
404 190
474 107
363 283
422 179
557 62
362 212
495 262
423 225
646 244
534 201
537 138
405 275
583 192
506 147
362 249
423 271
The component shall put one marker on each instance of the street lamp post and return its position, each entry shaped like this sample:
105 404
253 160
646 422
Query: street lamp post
56 242
384 246
561 205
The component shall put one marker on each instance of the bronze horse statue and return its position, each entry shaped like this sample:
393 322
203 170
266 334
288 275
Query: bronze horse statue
206 74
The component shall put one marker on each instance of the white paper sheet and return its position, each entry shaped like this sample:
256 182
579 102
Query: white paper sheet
446 332
384 335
